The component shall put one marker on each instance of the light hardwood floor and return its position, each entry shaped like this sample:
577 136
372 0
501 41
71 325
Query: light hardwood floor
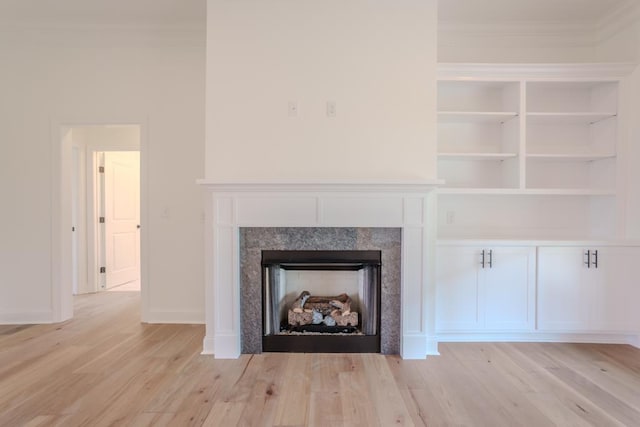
105 368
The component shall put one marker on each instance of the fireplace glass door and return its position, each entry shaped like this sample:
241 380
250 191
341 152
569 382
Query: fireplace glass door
321 301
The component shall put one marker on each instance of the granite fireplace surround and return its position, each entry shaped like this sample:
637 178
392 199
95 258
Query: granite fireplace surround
253 240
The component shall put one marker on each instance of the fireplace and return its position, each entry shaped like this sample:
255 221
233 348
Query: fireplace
321 301
326 261
234 272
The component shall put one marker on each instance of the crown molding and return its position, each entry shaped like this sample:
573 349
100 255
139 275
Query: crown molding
600 71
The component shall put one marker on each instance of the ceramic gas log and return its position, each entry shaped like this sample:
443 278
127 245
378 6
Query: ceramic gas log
331 311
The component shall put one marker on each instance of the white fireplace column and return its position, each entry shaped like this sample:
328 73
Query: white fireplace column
406 205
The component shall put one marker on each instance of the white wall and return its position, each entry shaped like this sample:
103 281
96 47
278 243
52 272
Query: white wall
515 43
83 76
375 59
624 46
102 138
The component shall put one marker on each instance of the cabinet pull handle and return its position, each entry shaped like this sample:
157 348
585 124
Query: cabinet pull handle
595 258
588 261
490 258
482 263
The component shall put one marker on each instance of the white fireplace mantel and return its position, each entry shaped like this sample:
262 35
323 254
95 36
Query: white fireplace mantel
406 205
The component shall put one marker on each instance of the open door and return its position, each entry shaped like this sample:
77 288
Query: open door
121 217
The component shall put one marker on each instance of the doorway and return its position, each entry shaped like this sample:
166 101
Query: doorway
105 207
75 254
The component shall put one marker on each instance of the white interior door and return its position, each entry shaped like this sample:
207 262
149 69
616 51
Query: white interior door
122 216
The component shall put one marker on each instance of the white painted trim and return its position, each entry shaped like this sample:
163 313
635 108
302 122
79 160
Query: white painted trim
208 346
145 229
413 346
432 345
93 238
408 205
599 338
61 292
518 72
508 242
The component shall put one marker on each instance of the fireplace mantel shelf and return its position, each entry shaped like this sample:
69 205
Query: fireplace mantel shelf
321 186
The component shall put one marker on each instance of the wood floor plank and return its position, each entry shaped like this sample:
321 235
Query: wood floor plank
265 393
537 386
514 408
325 401
106 368
571 398
293 404
358 408
391 409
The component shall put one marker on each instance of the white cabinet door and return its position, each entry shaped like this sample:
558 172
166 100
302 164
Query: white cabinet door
602 296
616 290
498 296
508 297
564 289
458 288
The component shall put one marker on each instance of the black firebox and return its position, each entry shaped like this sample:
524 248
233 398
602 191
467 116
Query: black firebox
321 301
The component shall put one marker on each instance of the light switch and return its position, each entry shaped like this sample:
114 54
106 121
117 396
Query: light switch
331 108
451 217
293 108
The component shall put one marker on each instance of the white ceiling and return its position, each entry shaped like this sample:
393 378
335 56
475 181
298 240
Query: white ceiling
581 12
192 12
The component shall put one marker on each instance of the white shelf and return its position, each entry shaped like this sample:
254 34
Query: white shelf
476 116
529 151
477 156
569 118
570 157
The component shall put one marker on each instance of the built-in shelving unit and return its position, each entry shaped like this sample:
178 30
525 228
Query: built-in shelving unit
529 152
478 134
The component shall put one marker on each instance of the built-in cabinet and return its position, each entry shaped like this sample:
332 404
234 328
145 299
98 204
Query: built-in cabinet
529 152
588 289
533 162
528 292
485 289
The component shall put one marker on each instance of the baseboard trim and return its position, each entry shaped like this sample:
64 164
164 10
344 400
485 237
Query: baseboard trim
542 337
635 341
208 345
